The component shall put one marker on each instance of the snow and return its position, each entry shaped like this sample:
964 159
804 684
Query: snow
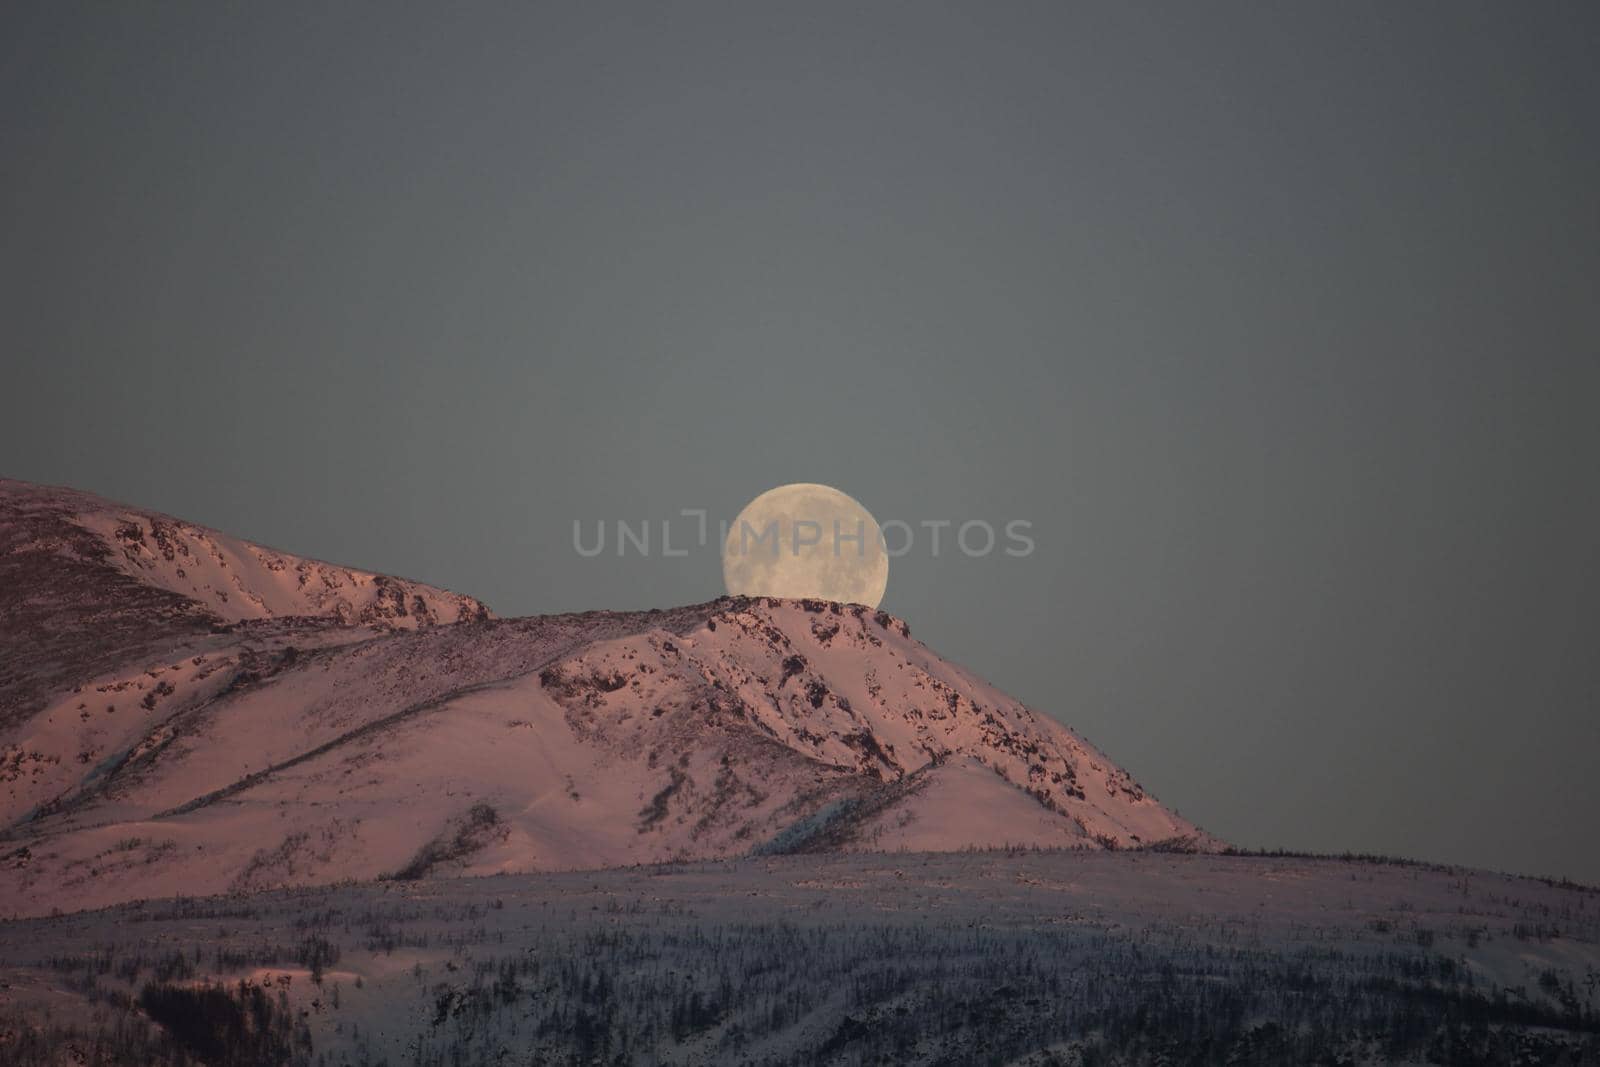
236 580
941 957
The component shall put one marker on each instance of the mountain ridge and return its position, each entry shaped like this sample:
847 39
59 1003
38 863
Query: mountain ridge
85 581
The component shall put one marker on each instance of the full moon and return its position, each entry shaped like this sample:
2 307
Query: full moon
807 541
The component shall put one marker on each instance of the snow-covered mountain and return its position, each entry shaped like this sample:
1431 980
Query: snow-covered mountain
188 713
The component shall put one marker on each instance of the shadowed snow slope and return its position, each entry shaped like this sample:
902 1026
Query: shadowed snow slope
203 715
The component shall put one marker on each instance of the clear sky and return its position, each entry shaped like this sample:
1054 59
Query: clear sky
1279 323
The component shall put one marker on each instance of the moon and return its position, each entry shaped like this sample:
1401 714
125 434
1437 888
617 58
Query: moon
806 541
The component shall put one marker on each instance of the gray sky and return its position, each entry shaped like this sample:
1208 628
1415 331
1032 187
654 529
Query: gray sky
1279 325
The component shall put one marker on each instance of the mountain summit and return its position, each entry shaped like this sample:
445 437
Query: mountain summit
187 713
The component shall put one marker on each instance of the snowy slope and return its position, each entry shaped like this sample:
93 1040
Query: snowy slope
87 584
1014 957
220 576
328 740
